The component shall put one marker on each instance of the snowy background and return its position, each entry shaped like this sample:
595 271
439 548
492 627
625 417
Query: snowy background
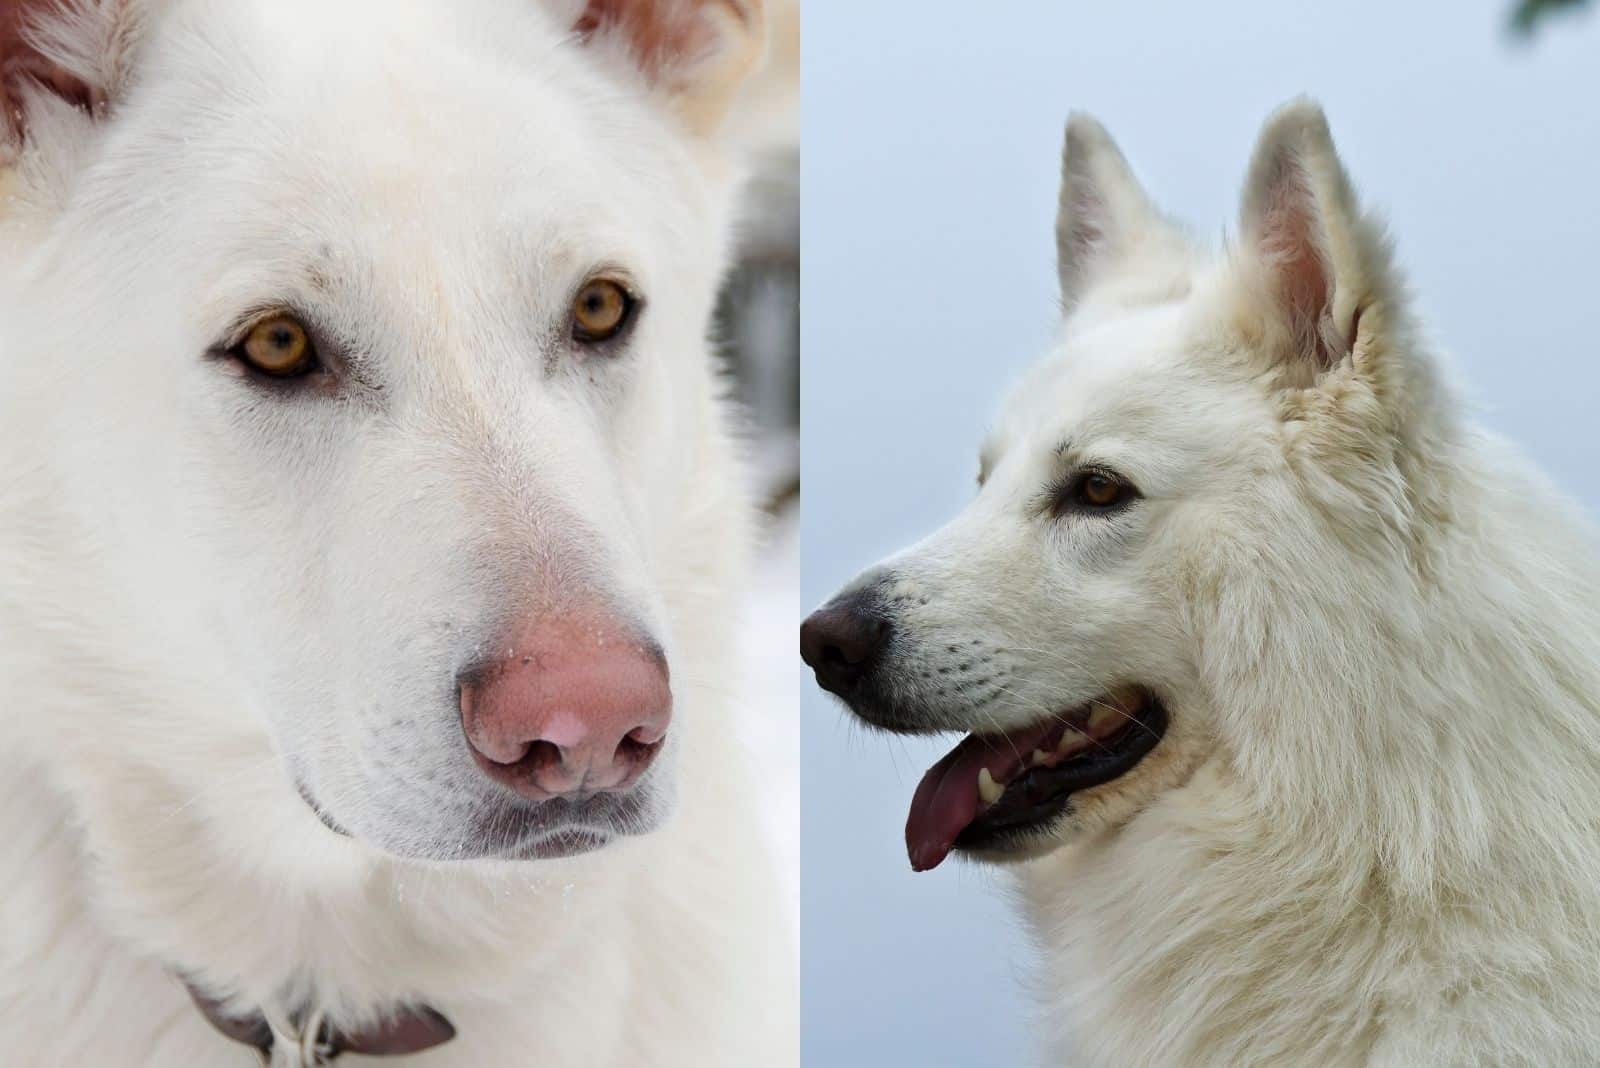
932 138
758 329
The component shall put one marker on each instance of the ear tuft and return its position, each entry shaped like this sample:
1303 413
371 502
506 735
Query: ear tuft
697 52
1321 260
77 51
1104 216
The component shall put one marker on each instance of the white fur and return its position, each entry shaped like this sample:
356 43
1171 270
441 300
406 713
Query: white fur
1371 835
204 593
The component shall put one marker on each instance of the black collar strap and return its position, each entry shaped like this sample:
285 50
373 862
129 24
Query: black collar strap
310 1040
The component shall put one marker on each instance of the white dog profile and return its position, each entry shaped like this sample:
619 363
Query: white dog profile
370 540
1283 676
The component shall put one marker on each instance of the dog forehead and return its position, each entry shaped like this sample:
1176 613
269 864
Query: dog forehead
418 110
1101 378
416 161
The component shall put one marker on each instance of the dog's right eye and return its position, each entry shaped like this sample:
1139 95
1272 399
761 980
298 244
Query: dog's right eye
278 345
1098 491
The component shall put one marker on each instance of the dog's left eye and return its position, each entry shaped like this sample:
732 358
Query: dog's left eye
1095 491
601 310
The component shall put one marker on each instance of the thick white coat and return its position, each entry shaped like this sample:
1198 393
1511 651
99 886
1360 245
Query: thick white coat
1371 835
203 586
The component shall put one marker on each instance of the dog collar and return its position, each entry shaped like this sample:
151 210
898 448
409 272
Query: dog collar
308 1039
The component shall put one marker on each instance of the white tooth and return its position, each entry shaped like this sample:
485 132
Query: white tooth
1040 756
1069 741
989 791
1101 716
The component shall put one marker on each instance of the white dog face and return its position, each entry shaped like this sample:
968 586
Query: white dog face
1068 617
391 337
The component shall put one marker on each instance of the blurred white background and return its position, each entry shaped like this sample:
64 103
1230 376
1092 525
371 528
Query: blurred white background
758 335
931 137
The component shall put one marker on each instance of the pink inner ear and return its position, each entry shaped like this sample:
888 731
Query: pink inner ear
20 63
659 33
1290 242
1086 232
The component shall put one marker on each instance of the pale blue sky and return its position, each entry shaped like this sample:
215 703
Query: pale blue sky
931 142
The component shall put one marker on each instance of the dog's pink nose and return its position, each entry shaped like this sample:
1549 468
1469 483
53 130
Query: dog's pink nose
577 705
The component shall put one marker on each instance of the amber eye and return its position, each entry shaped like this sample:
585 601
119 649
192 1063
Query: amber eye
1101 492
278 346
601 310
1098 491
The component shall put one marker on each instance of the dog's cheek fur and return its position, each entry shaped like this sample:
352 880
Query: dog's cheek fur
1000 620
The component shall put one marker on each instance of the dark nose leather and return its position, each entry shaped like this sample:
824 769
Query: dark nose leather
843 641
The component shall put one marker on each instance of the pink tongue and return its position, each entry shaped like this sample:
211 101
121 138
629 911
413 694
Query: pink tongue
947 798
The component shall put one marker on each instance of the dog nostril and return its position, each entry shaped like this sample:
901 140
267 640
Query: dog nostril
835 655
859 643
540 754
638 746
646 735
503 752
844 640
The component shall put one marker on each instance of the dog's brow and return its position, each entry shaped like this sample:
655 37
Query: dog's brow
1063 449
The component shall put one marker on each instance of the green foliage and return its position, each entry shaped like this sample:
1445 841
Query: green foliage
1529 15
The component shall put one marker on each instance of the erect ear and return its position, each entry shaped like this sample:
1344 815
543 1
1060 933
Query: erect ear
696 52
1321 263
60 56
1104 220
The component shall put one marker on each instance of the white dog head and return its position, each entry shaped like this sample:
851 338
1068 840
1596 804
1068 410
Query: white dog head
358 349
1146 506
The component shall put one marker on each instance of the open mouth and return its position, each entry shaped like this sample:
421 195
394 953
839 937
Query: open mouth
994 788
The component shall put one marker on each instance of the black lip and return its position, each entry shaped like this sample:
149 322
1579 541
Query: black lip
1042 796
523 830
311 802
559 827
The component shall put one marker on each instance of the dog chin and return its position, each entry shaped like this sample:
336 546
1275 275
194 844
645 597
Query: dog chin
1024 846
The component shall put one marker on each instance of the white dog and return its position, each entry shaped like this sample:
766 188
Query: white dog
370 541
1284 676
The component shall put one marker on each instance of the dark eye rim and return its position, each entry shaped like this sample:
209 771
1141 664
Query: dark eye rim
232 346
1070 495
633 305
